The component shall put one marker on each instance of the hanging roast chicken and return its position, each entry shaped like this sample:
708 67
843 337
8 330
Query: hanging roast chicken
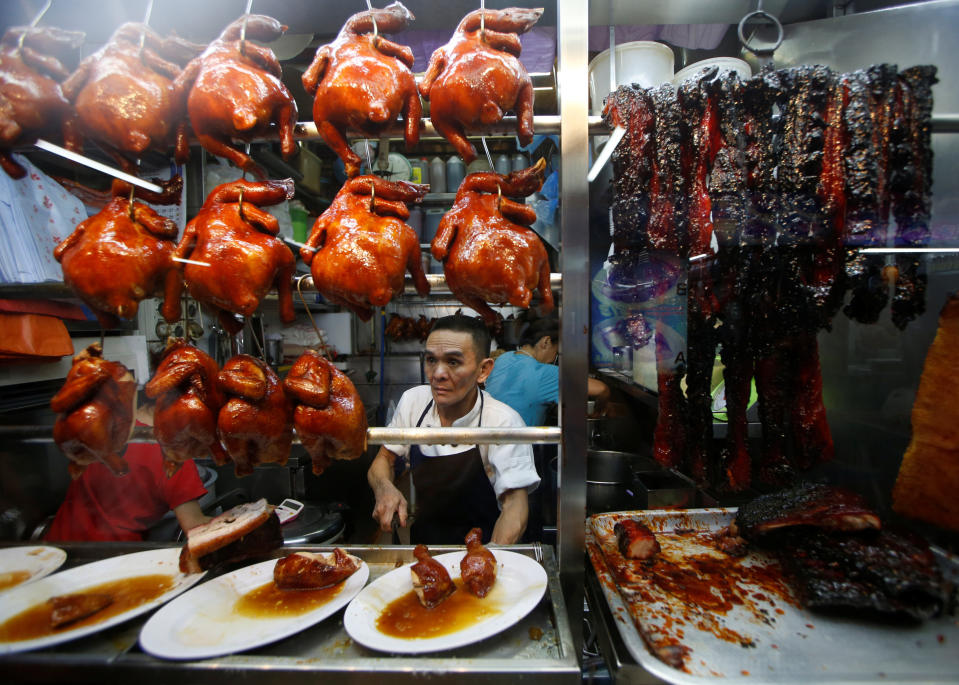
188 402
125 98
235 256
237 92
476 77
256 422
329 415
361 81
95 408
31 99
488 253
121 255
361 247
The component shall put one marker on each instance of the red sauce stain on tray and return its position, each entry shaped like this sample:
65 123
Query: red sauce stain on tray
692 582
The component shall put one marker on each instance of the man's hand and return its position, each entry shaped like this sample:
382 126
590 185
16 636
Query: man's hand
389 500
512 518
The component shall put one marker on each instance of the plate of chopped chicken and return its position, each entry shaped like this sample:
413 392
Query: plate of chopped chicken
19 565
447 601
255 605
89 598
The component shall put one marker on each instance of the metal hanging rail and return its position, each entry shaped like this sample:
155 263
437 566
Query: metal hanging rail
535 435
437 283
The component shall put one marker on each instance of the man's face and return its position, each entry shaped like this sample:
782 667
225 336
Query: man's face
453 369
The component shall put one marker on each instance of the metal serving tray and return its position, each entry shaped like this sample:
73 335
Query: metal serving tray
736 621
539 647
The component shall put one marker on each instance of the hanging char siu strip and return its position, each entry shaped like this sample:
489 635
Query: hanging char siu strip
911 187
668 187
669 436
632 108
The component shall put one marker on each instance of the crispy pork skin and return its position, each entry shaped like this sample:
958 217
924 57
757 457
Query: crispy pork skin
814 505
636 540
431 580
245 531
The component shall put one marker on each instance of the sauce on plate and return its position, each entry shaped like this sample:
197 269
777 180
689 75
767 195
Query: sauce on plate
270 601
406 618
10 578
127 593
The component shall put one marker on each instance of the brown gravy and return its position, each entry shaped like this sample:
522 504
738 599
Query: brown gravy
11 578
269 601
127 594
407 618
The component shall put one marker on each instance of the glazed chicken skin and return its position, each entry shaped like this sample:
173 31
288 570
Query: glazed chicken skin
363 82
121 255
32 104
329 415
431 581
477 76
255 424
478 566
237 256
235 91
95 408
188 402
125 98
360 248
488 253
308 571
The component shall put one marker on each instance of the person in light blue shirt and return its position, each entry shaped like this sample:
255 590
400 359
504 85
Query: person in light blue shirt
527 379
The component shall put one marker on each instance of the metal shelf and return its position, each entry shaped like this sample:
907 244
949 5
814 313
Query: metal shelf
535 435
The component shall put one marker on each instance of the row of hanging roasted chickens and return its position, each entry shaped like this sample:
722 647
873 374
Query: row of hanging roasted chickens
140 90
241 413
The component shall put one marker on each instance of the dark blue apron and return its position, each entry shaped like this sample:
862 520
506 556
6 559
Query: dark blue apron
453 494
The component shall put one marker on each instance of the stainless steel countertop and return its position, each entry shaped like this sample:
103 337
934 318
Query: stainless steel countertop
322 651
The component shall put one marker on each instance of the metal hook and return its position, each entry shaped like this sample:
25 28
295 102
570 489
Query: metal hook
324 347
246 18
489 158
483 24
372 197
369 155
376 30
760 13
143 29
36 20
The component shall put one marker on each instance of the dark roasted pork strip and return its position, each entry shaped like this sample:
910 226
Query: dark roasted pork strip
810 504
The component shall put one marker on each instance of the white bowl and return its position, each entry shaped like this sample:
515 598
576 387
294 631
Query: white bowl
644 62
725 64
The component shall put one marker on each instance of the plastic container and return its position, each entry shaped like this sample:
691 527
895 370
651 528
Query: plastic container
300 219
518 162
431 223
421 170
437 175
501 164
416 222
455 173
644 62
724 64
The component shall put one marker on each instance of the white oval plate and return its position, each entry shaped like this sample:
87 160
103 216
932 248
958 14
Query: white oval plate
520 584
39 562
77 579
202 623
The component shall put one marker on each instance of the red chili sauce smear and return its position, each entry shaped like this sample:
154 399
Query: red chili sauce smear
406 618
127 593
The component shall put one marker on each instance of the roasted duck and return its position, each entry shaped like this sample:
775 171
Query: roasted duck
188 402
95 410
235 91
121 255
360 248
361 81
125 98
488 253
235 255
478 566
32 103
308 571
431 580
635 540
255 423
329 415
476 77
67 609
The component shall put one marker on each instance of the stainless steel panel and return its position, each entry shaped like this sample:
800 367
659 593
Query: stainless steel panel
321 652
